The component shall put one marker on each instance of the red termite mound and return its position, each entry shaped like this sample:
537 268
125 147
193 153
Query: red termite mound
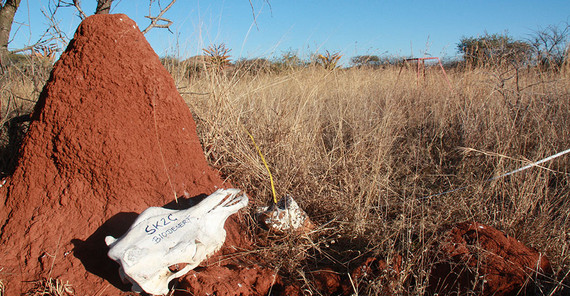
110 136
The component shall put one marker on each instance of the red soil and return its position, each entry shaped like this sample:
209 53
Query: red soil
482 259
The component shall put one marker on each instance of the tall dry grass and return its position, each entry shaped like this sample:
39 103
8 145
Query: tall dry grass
361 149
364 150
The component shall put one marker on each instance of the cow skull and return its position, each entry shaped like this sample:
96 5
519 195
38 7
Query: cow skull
160 238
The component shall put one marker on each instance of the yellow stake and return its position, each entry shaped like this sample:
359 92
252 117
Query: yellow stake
264 163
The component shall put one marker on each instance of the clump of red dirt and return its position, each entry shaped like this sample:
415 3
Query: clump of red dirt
231 279
481 259
110 136
372 271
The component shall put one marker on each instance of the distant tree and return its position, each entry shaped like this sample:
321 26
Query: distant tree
288 60
551 45
254 66
494 49
366 61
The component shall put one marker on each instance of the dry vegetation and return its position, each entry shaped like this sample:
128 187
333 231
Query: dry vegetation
361 149
21 81
50 287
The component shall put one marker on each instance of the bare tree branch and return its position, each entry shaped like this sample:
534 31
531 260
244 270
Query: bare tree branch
53 31
253 15
253 12
550 45
154 20
103 6
73 3
77 5
35 45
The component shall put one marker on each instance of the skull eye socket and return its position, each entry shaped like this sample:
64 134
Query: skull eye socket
174 268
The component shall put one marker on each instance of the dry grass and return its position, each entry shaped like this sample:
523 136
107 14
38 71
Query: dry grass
359 149
21 82
50 287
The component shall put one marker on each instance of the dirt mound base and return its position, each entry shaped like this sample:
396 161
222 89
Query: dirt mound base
482 259
474 258
110 136
231 279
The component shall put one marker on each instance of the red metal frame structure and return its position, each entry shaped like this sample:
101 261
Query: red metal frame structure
421 61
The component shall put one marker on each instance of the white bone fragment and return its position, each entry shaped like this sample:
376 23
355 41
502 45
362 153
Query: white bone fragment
160 238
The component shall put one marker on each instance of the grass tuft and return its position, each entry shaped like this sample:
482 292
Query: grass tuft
50 287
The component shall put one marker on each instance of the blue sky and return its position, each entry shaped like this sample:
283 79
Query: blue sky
384 28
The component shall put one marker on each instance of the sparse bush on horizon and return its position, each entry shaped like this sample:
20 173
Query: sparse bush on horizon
546 48
366 61
289 60
494 49
373 61
255 66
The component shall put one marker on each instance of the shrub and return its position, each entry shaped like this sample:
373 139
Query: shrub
495 49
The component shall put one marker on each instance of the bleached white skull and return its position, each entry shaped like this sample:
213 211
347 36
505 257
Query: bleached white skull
160 238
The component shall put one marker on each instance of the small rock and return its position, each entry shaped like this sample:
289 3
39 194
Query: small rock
285 216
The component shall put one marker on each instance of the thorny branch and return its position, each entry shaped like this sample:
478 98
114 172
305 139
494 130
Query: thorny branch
73 3
154 20
54 29
30 47
77 5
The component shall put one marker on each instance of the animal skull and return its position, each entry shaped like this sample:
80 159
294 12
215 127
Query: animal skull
161 237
